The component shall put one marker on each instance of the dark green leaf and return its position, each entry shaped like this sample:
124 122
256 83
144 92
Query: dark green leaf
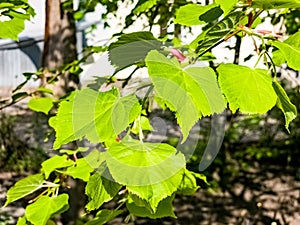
211 15
132 49
216 33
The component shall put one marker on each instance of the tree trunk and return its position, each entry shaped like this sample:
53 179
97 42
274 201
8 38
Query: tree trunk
60 49
59 46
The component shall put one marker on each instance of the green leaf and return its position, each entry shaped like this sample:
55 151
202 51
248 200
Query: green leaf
226 5
246 89
97 116
24 187
132 49
13 16
95 158
144 123
275 4
281 56
284 104
143 6
54 163
191 92
211 15
81 170
188 184
22 221
164 209
104 216
189 14
39 212
99 190
217 32
291 53
150 171
40 104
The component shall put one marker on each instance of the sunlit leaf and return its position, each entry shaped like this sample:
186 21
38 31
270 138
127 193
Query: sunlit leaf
291 53
246 89
41 210
97 116
275 4
81 170
191 92
226 5
100 189
284 104
24 187
189 14
13 15
56 162
150 171
40 104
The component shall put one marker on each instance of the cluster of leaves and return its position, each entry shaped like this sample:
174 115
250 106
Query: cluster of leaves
13 14
149 175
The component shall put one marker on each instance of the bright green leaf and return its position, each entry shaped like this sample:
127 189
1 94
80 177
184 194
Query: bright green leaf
13 16
22 221
24 187
189 14
275 4
284 104
246 89
54 163
226 5
164 209
132 49
95 158
81 170
104 216
191 92
40 104
150 171
143 6
39 212
100 189
280 56
97 116
291 53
